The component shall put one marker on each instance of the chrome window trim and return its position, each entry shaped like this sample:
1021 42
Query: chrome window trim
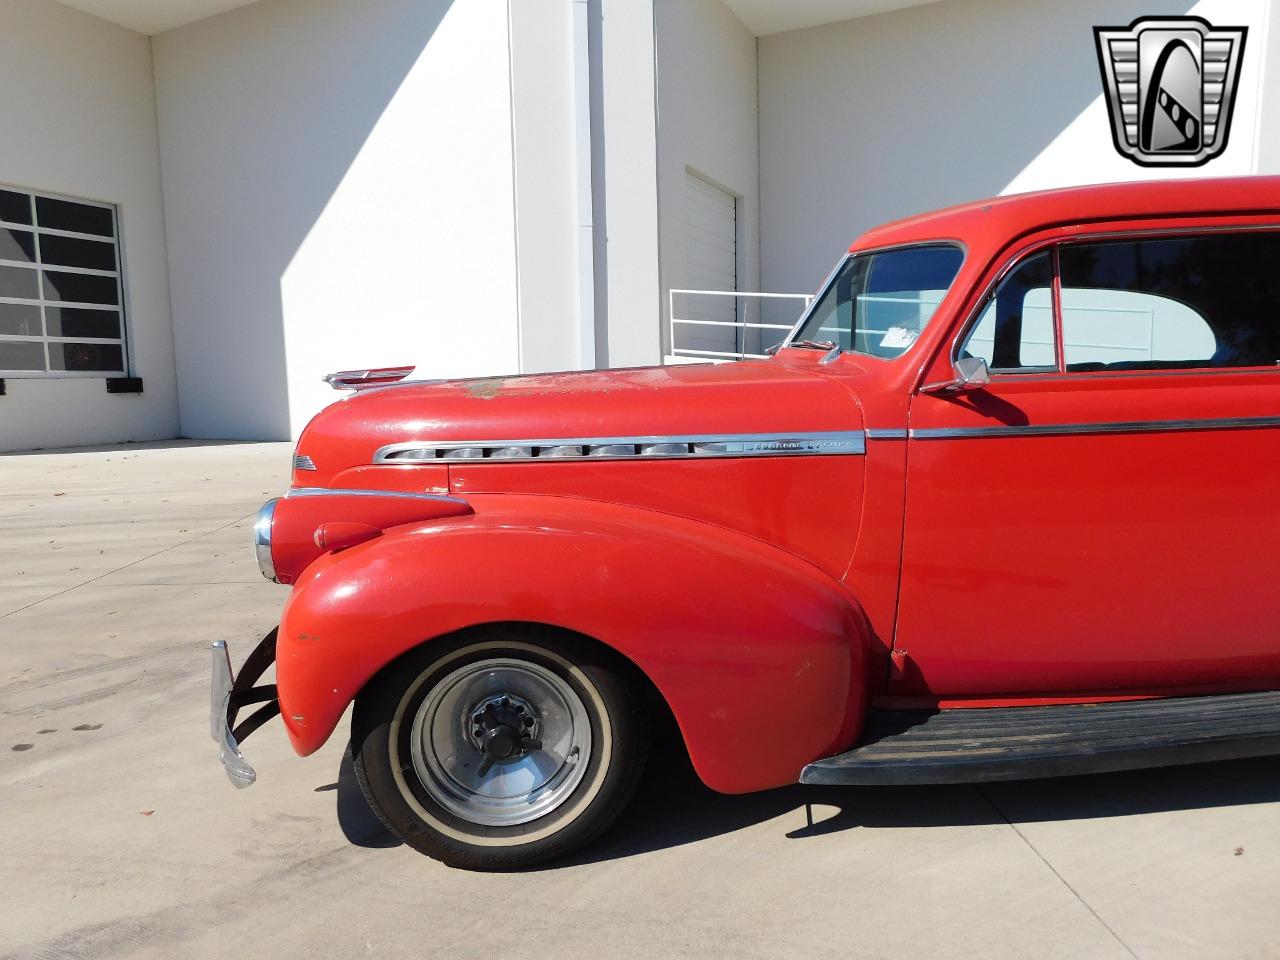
1086 429
347 492
682 447
1022 254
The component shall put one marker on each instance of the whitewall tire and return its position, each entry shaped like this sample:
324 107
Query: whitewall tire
500 748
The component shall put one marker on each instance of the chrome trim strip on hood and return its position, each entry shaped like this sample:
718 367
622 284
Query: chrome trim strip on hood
701 446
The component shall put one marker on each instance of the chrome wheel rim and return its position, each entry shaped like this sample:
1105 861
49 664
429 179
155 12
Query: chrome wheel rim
450 760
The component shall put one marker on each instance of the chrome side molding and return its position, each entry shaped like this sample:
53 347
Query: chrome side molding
833 443
384 494
886 434
1084 429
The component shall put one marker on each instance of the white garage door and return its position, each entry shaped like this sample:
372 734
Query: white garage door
711 263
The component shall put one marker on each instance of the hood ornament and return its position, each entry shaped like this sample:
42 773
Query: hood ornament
364 379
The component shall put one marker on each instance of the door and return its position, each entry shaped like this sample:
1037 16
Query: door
1105 515
711 263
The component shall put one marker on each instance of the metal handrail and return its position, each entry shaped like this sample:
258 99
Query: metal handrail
720 355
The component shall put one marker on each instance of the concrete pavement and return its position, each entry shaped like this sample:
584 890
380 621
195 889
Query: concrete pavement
121 837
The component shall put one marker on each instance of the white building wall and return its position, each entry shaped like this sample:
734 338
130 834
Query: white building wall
340 194
882 117
1269 109
706 96
627 180
78 117
546 185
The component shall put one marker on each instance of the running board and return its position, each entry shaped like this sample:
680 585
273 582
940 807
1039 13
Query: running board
1022 743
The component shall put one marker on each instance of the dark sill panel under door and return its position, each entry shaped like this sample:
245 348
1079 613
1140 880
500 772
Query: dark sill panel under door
1022 743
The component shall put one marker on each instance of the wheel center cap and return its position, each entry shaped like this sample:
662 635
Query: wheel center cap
501 742
503 727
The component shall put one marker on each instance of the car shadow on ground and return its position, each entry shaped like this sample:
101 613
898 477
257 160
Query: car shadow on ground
360 825
672 807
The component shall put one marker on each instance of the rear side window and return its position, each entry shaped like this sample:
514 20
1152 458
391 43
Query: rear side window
1187 302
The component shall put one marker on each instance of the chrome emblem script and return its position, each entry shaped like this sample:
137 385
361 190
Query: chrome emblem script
1170 84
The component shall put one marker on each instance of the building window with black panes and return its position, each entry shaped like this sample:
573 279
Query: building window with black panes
61 287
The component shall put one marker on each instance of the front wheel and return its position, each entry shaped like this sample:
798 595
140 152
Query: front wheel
499 750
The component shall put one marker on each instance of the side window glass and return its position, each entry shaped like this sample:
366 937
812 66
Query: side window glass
1014 332
1116 329
1172 303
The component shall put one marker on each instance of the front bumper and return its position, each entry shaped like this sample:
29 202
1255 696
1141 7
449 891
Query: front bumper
229 693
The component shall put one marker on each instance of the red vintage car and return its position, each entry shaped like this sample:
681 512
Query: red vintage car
1004 505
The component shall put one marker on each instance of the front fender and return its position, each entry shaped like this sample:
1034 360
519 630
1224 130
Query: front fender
759 654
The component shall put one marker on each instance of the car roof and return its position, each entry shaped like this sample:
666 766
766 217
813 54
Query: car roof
1003 218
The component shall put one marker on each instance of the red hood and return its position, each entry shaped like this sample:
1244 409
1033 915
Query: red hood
751 397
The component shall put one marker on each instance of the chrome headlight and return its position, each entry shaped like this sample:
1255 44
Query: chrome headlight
262 539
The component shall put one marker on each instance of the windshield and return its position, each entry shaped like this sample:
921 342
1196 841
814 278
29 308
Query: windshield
878 303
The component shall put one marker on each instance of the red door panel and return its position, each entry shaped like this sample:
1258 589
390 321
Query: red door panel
1043 553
